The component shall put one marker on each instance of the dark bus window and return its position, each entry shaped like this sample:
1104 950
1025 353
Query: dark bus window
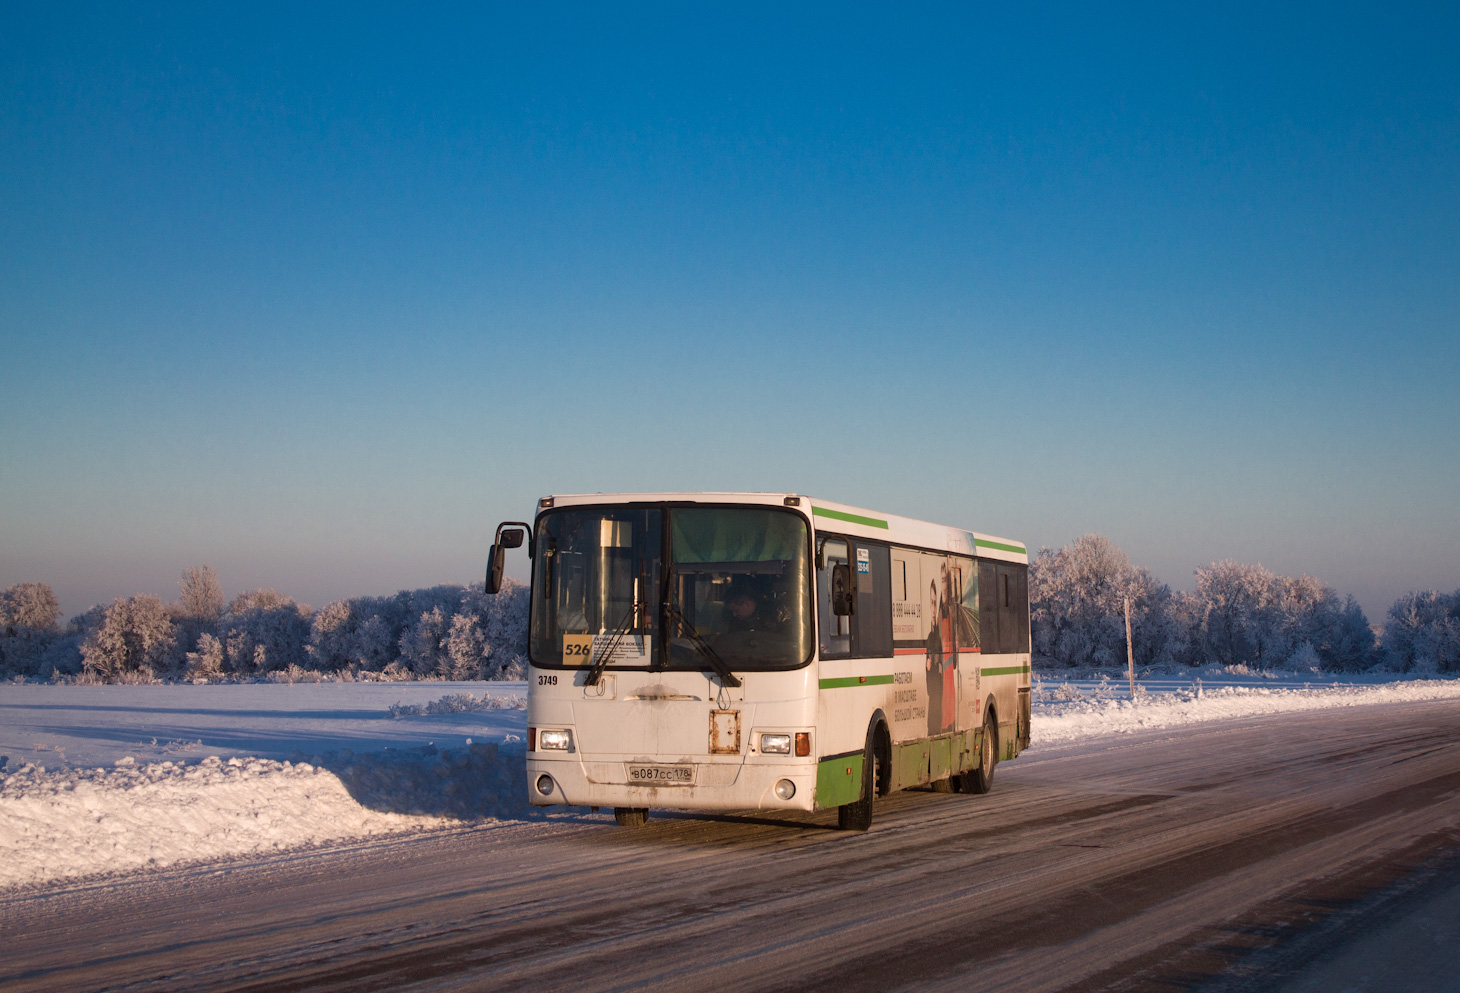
988 606
872 623
835 633
1019 608
1004 607
965 577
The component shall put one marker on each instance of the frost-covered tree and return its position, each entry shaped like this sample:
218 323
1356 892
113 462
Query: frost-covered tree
201 595
447 631
1423 633
206 662
1249 615
263 630
502 618
423 645
359 633
424 640
467 648
1238 614
28 615
28 609
130 636
376 641
1233 597
1077 600
330 634
1346 639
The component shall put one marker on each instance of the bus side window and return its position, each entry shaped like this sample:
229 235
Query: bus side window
834 631
872 622
988 607
1019 608
1005 604
968 620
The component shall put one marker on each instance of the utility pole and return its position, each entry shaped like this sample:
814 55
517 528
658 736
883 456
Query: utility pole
1130 653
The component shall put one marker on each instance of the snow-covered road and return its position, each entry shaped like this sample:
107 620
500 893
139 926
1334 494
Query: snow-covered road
1154 853
116 779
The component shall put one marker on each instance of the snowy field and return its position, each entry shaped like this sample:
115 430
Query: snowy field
112 779
1072 710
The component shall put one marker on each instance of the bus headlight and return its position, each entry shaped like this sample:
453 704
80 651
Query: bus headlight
775 744
785 789
555 740
545 785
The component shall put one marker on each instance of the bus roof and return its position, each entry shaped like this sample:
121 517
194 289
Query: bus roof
827 515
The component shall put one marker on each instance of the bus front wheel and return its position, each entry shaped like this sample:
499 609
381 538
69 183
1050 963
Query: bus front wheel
857 815
632 817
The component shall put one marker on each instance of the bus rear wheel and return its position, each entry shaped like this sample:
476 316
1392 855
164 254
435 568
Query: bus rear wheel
980 779
630 817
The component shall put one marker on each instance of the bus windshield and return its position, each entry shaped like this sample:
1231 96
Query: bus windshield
735 581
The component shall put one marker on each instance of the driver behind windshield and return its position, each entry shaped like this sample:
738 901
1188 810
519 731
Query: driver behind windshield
744 611
747 610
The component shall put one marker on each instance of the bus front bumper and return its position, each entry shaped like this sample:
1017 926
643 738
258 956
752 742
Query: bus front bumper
725 785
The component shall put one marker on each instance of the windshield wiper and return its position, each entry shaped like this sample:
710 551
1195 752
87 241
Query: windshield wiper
702 646
599 664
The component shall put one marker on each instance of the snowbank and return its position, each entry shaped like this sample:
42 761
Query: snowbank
58 825
72 823
1068 711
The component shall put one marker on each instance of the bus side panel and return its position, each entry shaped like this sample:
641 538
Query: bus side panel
1006 693
971 701
850 692
912 614
838 780
940 758
909 764
935 625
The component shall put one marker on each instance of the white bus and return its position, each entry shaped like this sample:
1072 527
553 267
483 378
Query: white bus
728 651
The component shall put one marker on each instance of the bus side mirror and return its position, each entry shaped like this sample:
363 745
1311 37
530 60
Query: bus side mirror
843 604
509 535
496 559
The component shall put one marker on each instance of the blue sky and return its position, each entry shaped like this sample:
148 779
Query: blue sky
319 297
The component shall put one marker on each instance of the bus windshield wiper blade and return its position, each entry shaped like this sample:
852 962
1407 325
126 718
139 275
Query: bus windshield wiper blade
595 670
703 647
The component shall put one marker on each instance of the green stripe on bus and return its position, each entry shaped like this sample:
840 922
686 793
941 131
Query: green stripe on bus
840 681
837 515
1008 670
999 545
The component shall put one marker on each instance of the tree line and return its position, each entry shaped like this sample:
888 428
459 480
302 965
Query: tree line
1237 614
444 632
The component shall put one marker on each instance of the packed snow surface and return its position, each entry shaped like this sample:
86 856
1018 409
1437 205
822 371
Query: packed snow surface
1074 710
85 821
112 779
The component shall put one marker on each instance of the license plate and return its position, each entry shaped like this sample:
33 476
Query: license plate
661 775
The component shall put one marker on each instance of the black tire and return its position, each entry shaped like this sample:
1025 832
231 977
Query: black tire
630 817
857 815
980 779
